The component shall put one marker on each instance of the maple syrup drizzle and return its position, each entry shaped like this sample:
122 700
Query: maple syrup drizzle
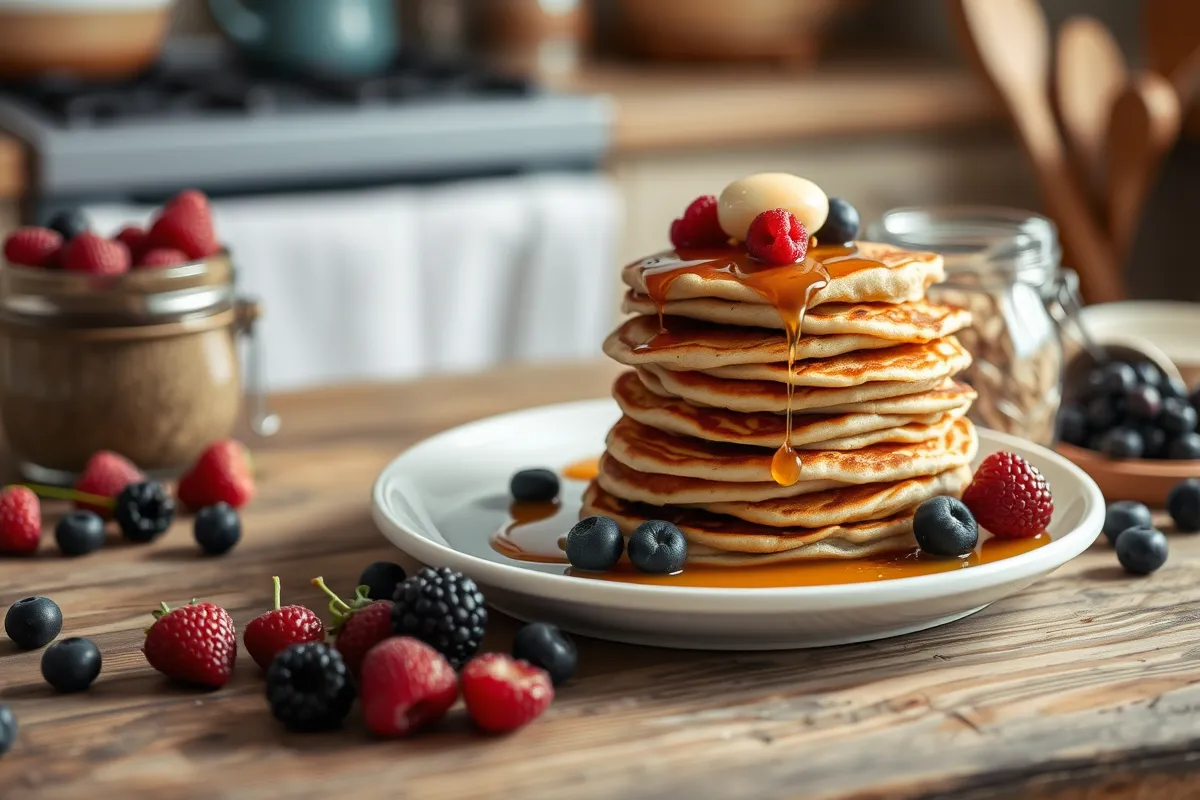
583 470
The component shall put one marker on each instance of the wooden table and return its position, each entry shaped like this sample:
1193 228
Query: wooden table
1084 685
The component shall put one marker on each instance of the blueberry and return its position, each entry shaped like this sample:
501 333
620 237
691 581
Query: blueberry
1122 443
79 533
1093 385
382 578
1072 425
1148 373
1143 403
1177 416
217 529
1185 447
1194 399
143 511
33 622
842 224
1101 413
1141 550
1119 378
658 546
1183 504
69 223
1154 441
534 486
545 646
945 527
71 665
595 543
8 729
1173 387
1125 514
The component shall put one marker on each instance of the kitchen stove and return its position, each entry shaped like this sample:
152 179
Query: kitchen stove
202 118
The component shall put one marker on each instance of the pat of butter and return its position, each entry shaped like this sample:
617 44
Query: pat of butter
746 198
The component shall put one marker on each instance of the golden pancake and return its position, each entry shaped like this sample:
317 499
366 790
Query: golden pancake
659 489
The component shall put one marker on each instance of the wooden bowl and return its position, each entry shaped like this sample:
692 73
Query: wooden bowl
787 30
1144 480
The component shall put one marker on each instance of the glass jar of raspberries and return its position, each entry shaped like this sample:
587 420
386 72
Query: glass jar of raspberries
144 363
1003 266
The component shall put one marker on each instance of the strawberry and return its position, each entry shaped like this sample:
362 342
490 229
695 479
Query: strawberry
1009 497
358 625
94 255
406 685
105 475
32 247
195 643
269 634
20 520
186 224
162 257
503 693
134 238
221 474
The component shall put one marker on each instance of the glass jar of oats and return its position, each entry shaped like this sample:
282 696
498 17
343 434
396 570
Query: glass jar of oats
1003 266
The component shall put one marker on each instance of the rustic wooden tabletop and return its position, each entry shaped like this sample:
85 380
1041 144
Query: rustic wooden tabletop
1084 685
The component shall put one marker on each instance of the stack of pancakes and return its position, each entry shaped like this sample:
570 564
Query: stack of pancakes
877 418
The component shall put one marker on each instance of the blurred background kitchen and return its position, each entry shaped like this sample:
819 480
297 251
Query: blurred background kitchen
437 185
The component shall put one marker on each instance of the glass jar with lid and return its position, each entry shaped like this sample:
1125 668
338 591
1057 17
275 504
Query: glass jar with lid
1003 265
144 364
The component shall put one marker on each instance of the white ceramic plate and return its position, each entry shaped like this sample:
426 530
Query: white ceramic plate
441 501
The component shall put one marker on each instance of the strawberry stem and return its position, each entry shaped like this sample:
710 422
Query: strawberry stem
275 580
60 493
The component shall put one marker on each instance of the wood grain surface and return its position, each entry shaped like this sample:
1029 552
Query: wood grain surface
1086 685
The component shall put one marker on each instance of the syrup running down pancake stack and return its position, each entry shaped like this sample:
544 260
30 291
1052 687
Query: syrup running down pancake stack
782 410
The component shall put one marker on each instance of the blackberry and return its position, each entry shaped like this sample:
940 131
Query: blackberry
381 579
309 687
8 729
33 622
143 510
444 609
217 529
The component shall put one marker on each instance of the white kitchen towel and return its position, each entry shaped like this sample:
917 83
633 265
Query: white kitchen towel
390 283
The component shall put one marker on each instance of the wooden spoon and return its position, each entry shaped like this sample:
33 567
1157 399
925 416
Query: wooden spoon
1089 73
1145 124
1010 42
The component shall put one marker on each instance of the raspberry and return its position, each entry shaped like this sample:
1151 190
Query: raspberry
503 693
95 255
191 199
406 685
777 237
1009 497
185 225
358 625
105 475
20 520
163 257
32 247
135 239
699 227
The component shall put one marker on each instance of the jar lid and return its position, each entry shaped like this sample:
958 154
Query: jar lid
141 297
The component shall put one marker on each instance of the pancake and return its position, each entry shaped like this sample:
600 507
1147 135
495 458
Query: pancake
650 450
690 344
900 276
918 321
716 532
658 489
766 429
903 362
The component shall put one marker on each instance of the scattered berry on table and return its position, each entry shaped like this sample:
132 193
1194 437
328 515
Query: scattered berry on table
1183 504
1125 514
185 225
444 609
658 546
842 224
217 528
502 693
144 511
699 226
33 622
1121 442
1143 403
1072 425
160 257
71 665
1185 447
20 520
105 475
195 644
545 646
1009 497
135 239
358 625
381 579
1177 416
534 485
221 475
79 533
270 633
1141 550
32 247
69 223
944 526
309 687
405 686
8 729
1118 378
777 237
91 254
594 544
